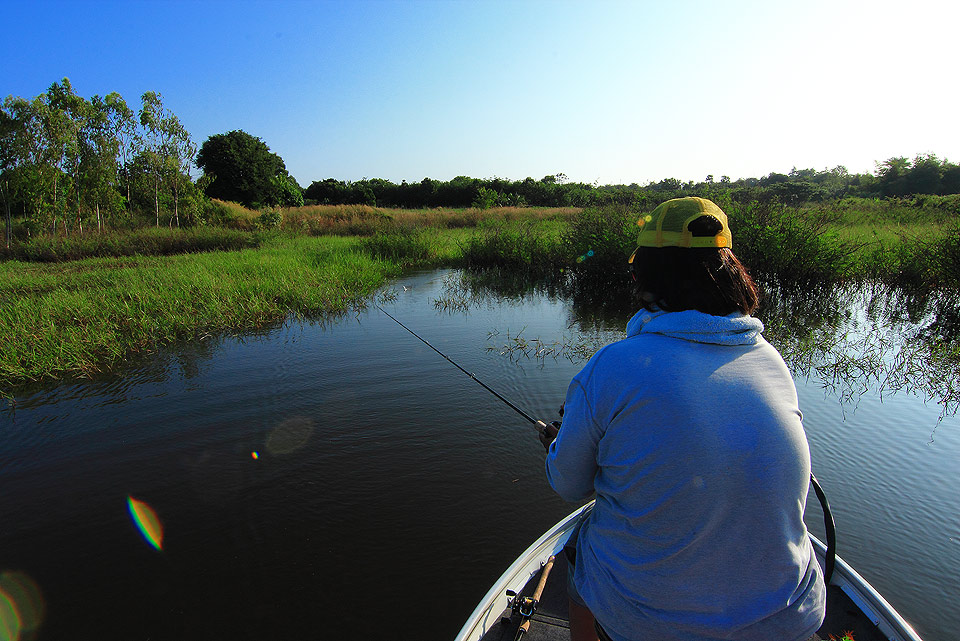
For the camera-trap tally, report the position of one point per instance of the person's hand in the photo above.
(548, 433)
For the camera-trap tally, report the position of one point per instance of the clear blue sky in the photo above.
(615, 92)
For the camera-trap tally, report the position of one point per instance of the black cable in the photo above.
(831, 530)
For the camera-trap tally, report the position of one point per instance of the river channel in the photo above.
(339, 479)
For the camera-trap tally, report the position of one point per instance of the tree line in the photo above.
(67, 162)
(894, 178)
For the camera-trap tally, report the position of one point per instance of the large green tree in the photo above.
(242, 168)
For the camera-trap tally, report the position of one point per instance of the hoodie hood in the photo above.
(697, 327)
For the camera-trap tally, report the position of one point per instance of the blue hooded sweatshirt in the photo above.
(689, 434)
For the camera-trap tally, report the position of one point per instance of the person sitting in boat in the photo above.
(689, 434)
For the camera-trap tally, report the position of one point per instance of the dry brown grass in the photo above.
(363, 220)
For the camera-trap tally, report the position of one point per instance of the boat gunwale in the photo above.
(495, 601)
(487, 613)
(866, 597)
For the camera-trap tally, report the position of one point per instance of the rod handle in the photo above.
(525, 626)
(543, 578)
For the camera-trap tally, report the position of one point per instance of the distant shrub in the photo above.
(485, 198)
(926, 264)
(785, 244)
(598, 242)
(228, 214)
(269, 219)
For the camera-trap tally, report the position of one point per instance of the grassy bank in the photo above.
(82, 316)
(80, 304)
(910, 244)
(145, 242)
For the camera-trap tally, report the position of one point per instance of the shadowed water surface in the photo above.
(340, 479)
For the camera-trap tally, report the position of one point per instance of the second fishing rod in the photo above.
(538, 424)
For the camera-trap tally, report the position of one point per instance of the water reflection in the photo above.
(587, 329)
(866, 336)
(851, 337)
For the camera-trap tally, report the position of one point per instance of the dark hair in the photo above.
(708, 280)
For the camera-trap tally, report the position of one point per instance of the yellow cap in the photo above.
(666, 226)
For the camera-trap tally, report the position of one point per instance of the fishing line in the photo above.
(539, 424)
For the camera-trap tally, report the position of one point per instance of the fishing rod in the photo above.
(540, 425)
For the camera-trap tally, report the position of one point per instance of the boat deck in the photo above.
(550, 622)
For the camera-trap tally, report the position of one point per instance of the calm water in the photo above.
(340, 479)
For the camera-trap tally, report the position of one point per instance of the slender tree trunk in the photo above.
(99, 226)
(9, 221)
(176, 205)
(156, 200)
(79, 219)
(126, 179)
(54, 204)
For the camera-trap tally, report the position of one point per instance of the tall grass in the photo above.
(925, 262)
(789, 246)
(229, 214)
(146, 242)
(363, 220)
(405, 246)
(525, 246)
(899, 212)
(78, 318)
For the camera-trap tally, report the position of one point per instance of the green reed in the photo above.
(82, 317)
(517, 245)
(145, 242)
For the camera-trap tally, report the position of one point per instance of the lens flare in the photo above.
(21, 606)
(146, 520)
(290, 435)
(9, 619)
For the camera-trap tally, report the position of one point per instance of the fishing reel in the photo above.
(520, 604)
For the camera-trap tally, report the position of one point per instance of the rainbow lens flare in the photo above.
(146, 520)
(21, 606)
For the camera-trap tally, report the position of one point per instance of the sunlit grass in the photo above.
(364, 220)
(82, 317)
(143, 242)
